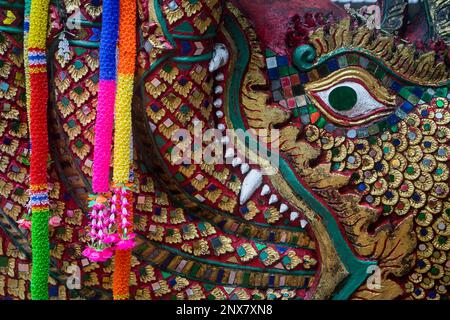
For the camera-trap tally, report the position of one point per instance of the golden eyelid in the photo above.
(378, 91)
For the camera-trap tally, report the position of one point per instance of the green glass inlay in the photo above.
(79, 51)
(263, 255)
(79, 144)
(286, 260)
(283, 71)
(311, 109)
(353, 59)
(321, 122)
(3, 262)
(260, 246)
(167, 68)
(441, 92)
(410, 170)
(246, 279)
(180, 177)
(394, 128)
(185, 109)
(78, 64)
(380, 74)
(208, 286)
(372, 140)
(160, 141)
(343, 98)
(194, 270)
(427, 97)
(78, 90)
(270, 53)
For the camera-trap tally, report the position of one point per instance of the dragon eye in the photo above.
(351, 97)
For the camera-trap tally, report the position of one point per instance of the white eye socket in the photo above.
(349, 99)
(350, 103)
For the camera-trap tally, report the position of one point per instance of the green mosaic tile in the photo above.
(321, 122)
(270, 53)
(380, 74)
(343, 63)
(283, 71)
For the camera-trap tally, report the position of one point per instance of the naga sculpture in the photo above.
(344, 194)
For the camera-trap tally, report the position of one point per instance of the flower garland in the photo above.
(112, 219)
(26, 30)
(122, 259)
(25, 221)
(38, 87)
(106, 94)
(123, 148)
(102, 220)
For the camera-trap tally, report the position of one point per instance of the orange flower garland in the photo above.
(122, 147)
(122, 265)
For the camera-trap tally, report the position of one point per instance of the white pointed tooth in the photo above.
(225, 140)
(218, 103)
(303, 223)
(265, 190)
(273, 199)
(219, 114)
(236, 162)
(220, 77)
(283, 208)
(244, 168)
(229, 153)
(294, 215)
(251, 183)
(218, 90)
(221, 127)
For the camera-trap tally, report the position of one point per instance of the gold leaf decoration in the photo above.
(423, 69)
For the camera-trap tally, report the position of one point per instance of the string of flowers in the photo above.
(38, 87)
(25, 221)
(123, 195)
(122, 258)
(102, 219)
(26, 30)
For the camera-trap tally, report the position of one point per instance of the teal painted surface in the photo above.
(357, 268)
(236, 266)
(194, 38)
(303, 57)
(12, 5)
(11, 30)
(194, 59)
(84, 44)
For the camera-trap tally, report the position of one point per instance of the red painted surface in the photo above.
(270, 17)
